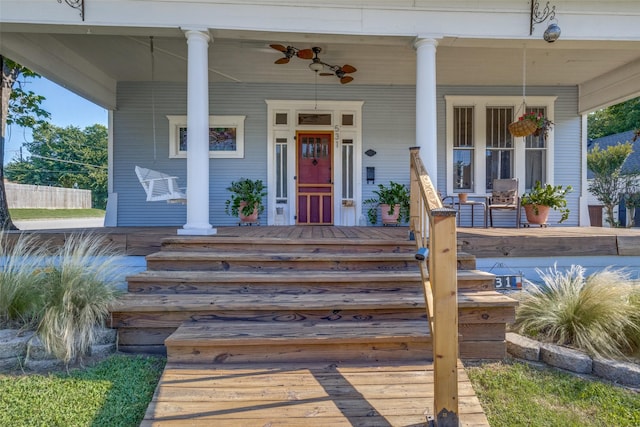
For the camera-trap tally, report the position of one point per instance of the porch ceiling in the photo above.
(245, 57)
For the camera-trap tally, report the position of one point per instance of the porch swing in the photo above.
(158, 186)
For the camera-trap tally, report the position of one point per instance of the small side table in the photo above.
(473, 204)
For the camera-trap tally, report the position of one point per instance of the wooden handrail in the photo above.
(434, 227)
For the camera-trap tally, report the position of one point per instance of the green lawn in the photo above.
(115, 392)
(515, 394)
(21, 214)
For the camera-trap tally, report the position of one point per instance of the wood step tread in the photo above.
(213, 240)
(294, 276)
(360, 368)
(262, 302)
(470, 298)
(278, 256)
(283, 276)
(289, 333)
(211, 302)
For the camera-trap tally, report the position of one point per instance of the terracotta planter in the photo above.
(390, 218)
(462, 197)
(540, 218)
(248, 218)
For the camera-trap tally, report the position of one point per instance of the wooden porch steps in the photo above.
(328, 342)
(274, 245)
(145, 320)
(277, 261)
(303, 394)
(253, 261)
(275, 283)
(290, 332)
(315, 282)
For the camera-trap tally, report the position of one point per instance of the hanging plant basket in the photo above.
(522, 127)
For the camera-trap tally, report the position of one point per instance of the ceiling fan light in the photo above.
(316, 66)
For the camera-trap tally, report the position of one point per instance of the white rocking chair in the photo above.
(160, 186)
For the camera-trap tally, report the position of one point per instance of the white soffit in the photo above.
(611, 88)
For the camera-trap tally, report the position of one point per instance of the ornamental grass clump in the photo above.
(21, 279)
(597, 314)
(80, 287)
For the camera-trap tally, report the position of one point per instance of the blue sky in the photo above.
(66, 108)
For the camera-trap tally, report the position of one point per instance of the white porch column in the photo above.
(198, 135)
(426, 118)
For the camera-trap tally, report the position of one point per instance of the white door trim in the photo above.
(343, 215)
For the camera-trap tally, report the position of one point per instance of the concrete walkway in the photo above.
(49, 224)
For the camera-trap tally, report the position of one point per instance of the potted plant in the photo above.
(531, 123)
(541, 199)
(245, 201)
(393, 201)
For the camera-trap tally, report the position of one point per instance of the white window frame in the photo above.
(237, 122)
(480, 104)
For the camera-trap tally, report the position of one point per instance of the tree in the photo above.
(609, 183)
(20, 107)
(66, 157)
(614, 119)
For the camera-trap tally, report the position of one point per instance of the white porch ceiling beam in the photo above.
(61, 65)
(463, 18)
(614, 87)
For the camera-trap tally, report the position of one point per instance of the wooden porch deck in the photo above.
(480, 242)
(303, 395)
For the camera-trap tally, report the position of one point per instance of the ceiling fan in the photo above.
(316, 65)
(290, 52)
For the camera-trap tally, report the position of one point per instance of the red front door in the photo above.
(314, 182)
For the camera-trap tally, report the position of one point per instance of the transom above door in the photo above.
(314, 178)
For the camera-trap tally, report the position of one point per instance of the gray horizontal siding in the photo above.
(388, 128)
(388, 125)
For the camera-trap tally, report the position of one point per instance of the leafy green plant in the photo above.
(245, 190)
(609, 183)
(595, 314)
(543, 125)
(21, 279)
(80, 287)
(548, 195)
(393, 194)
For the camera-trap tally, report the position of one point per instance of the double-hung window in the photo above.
(481, 149)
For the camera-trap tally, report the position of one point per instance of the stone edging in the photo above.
(573, 360)
(27, 351)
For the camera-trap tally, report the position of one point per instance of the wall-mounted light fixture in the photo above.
(76, 4)
(371, 175)
(552, 33)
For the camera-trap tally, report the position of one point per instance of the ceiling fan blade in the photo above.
(278, 47)
(305, 54)
(326, 74)
(282, 61)
(349, 68)
(346, 79)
